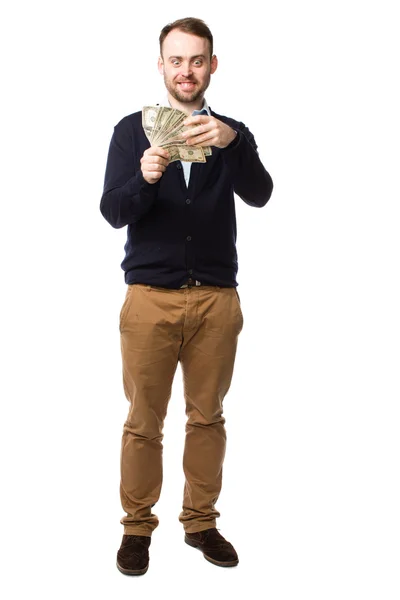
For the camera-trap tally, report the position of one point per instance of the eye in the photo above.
(198, 62)
(175, 62)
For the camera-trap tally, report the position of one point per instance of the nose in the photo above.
(186, 69)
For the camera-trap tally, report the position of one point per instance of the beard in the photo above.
(180, 96)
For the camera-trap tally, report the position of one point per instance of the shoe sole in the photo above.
(132, 571)
(230, 563)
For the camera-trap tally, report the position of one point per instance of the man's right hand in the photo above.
(153, 163)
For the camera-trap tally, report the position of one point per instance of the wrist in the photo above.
(233, 139)
(233, 136)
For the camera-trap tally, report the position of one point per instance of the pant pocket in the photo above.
(125, 307)
(239, 303)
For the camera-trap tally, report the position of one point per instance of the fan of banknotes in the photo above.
(163, 127)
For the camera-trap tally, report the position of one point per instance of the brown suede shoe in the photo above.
(214, 547)
(133, 555)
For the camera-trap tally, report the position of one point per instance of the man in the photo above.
(181, 303)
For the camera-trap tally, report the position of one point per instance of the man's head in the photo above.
(186, 59)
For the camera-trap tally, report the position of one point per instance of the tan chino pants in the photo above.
(198, 326)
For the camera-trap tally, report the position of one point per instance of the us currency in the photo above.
(149, 116)
(187, 153)
(163, 127)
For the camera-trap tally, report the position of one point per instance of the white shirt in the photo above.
(186, 166)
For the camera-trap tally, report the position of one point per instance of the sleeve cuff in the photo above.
(145, 186)
(235, 142)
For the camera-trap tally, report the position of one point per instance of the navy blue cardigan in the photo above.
(175, 232)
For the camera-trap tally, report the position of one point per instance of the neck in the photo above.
(186, 107)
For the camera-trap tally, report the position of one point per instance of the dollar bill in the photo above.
(160, 125)
(173, 153)
(163, 127)
(149, 117)
(192, 153)
(187, 153)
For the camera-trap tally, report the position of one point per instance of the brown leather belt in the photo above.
(191, 282)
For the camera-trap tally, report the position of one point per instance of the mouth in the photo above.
(186, 86)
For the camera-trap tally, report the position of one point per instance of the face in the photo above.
(186, 65)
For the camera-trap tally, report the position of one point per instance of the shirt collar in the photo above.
(205, 106)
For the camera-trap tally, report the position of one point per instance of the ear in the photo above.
(160, 65)
(214, 63)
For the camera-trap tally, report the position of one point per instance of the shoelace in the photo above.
(135, 540)
(210, 535)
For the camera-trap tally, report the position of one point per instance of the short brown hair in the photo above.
(188, 25)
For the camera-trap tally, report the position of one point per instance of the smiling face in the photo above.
(187, 67)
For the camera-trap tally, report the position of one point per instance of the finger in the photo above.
(154, 160)
(159, 160)
(204, 139)
(196, 119)
(155, 167)
(151, 177)
(157, 151)
(196, 130)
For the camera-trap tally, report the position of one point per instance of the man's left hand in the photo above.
(208, 131)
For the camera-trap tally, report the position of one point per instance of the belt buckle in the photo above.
(191, 282)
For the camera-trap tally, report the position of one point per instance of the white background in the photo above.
(311, 494)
